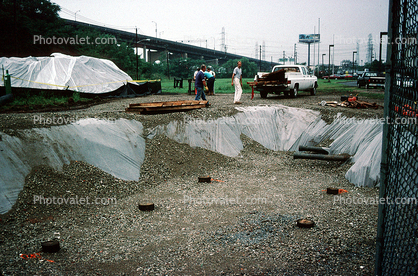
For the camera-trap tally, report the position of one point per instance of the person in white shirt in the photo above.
(237, 81)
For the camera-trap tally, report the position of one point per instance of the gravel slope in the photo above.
(242, 223)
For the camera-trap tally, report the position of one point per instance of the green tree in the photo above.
(184, 67)
(375, 66)
(249, 69)
(23, 21)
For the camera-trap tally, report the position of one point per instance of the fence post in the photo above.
(384, 162)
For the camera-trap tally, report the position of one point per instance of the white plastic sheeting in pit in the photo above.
(83, 74)
(115, 146)
(275, 127)
(285, 128)
(361, 138)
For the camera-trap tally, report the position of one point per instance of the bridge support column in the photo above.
(144, 56)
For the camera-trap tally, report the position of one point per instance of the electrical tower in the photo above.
(223, 46)
(264, 51)
(369, 56)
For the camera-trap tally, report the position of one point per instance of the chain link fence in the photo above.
(397, 237)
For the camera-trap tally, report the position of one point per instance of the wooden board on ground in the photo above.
(165, 107)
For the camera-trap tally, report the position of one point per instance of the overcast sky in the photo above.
(277, 23)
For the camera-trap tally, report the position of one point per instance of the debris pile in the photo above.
(360, 104)
(351, 101)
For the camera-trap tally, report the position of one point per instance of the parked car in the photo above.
(335, 77)
(371, 79)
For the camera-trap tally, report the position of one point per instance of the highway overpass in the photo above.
(152, 46)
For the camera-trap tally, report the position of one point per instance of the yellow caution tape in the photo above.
(38, 82)
(144, 80)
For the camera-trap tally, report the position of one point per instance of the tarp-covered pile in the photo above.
(62, 72)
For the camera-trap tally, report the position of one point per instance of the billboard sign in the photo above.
(308, 38)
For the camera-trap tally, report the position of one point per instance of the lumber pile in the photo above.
(165, 107)
(274, 76)
(262, 82)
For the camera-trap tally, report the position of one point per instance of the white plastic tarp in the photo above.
(116, 147)
(285, 128)
(275, 127)
(60, 72)
(361, 138)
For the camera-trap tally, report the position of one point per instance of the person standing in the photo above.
(210, 82)
(200, 83)
(212, 91)
(237, 82)
(194, 78)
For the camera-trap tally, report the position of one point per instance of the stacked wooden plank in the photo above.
(261, 82)
(165, 107)
(276, 77)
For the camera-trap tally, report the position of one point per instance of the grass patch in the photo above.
(369, 95)
(335, 87)
(221, 86)
(338, 87)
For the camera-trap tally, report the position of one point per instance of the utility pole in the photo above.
(155, 28)
(314, 31)
(319, 42)
(380, 50)
(136, 52)
(329, 61)
(296, 56)
(168, 66)
(260, 58)
(354, 62)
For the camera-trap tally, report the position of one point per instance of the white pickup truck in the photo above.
(289, 79)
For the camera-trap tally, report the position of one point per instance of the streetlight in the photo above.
(323, 68)
(136, 46)
(155, 28)
(75, 15)
(329, 62)
(354, 52)
(380, 50)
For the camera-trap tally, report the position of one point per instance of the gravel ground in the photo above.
(242, 223)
